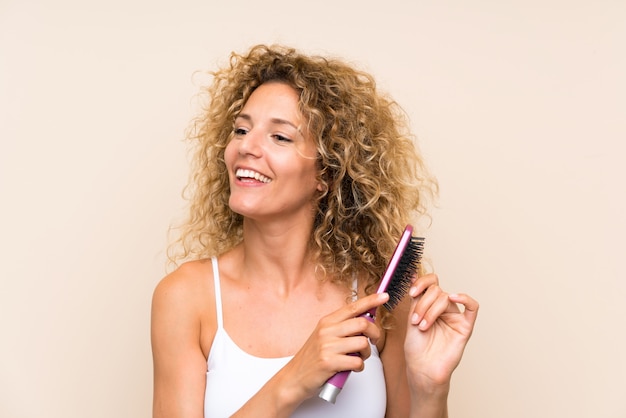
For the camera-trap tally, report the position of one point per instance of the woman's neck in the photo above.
(280, 254)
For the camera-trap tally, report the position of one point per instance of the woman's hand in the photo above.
(437, 333)
(328, 349)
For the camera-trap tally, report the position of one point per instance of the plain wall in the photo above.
(519, 107)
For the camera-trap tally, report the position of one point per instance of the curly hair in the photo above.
(373, 178)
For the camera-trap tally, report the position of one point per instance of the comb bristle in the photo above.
(407, 267)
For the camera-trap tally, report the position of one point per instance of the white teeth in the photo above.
(241, 173)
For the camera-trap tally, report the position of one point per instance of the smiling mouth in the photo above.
(253, 175)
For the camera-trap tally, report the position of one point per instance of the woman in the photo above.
(304, 178)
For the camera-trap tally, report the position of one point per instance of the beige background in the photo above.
(518, 105)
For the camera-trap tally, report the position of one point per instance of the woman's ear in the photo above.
(322, 186)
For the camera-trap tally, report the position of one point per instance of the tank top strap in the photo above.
(218, 293)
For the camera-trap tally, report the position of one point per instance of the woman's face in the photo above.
(271, 160)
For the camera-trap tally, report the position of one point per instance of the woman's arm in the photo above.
(424, 347)
(405, 400)
(179, 363)
(436, 336)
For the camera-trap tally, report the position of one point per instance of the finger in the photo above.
(440, 305)
(350, 353)
(354, 361)
(360, 345)
(423, 303)
(471, 305)
(422, 283)
(355, 345)
(361, 306)
(358, 326)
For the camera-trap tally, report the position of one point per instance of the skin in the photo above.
(270, 279)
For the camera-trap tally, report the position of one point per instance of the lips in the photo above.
(243, 174)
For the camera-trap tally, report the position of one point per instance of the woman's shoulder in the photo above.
(191, 282)
(183, 310)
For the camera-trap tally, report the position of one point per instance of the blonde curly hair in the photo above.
(374, 179)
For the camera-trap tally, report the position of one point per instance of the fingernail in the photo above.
(413, 291)
(415, 319)
(422, 324)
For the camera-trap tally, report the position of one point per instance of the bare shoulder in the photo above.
(186, 282)
(180, 316)
(183, 302)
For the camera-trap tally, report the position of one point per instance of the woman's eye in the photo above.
(240, 131)
(281, 138)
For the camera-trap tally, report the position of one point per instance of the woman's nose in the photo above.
(251, 143)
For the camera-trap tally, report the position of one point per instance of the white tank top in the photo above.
(234, 376)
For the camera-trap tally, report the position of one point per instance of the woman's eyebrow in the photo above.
(277, 121)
